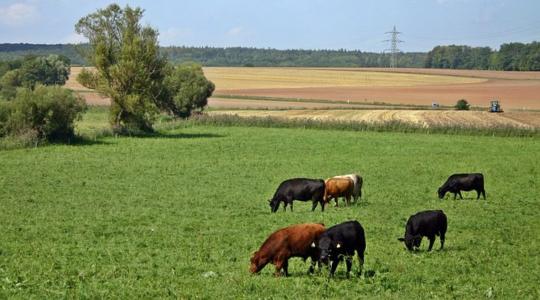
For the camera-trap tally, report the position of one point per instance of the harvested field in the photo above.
(91, 97)
(420, 117)
(516, 90)
(266, 78)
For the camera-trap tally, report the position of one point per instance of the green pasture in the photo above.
(179, 213)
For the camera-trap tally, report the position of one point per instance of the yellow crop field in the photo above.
(264, 78)
(424, 118)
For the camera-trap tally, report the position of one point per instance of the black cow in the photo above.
(463, 182)
(340, 241)
(427, 223)
(302, 189)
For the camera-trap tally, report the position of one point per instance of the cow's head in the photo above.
(411, 241)
(255, 266)
(274, 204)
(441, 192)
(328, 248)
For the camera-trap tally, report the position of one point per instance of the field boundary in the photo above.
(388, 126)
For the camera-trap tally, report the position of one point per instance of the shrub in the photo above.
(87, 79)
(462, 104)
(187, 89)
(50, 112)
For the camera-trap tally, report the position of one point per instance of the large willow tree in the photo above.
(130, 69)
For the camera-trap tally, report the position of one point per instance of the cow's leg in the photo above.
(348, 198)
(279, 265)
(460, 196)
(484, 193)
(442, 239)
(285, 205)
(360, 261)
(314, 261)
(291, 204)
(314, 205)
(286, 268)
(477, 194)
(431, 241)
(348, 261)
(455, 195)
(333, 268)
(335, 198)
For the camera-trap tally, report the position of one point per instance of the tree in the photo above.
(130, 69)
(187, 89)
(462, 104)
(46, 70)
(33, 70)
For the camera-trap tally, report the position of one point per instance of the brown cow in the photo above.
(292, 241)
(338, 187)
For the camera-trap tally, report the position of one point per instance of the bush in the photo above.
(188, 89)
(46, 112)
(87, 79)
(462, 104)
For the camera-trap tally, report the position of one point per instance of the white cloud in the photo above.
(18, 14)
(74, 38)
(235, 31)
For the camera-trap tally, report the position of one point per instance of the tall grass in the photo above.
(389, 126)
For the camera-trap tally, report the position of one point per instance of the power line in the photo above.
(394, 40)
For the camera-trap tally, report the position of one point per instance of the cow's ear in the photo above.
(338, 245)
(401, 239)
(313, 245)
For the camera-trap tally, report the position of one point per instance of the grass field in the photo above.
(152, 217)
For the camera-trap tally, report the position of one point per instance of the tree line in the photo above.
(234, 56)
(510, 57)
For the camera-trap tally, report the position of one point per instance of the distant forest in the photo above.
(511, 56)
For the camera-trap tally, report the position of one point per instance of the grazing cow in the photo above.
(427, 223)
(302, 189)
(292, 241)
(338, 187)
(357, 180)
(341, 241)
(463, 182)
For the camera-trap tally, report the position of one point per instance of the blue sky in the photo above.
(294, 24)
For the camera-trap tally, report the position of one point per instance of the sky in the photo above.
(293, 24)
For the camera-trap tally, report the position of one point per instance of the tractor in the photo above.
(495, 107)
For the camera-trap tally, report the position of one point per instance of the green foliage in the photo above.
(88, 79)
(130, 69)
(126, 218)
(510, 57)
(49, 70)
(462, 104)
(48, 113)
(236, 56)
(11, 51)
(188, 89)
